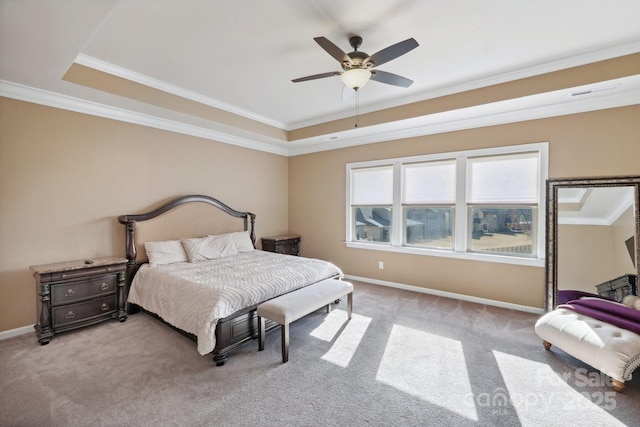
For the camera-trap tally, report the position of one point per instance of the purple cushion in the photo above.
(607, 311)
(565, 296)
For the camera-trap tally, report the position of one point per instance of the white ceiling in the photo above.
(594, 206)
(241, 55)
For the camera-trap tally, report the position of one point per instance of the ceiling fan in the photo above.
(358, 67)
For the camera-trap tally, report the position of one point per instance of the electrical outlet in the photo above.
(381, 265)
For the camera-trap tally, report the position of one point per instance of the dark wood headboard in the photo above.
(130, 222)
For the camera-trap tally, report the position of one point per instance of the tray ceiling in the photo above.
(224, 69)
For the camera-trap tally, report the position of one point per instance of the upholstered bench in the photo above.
(612, 350)
(294, 305)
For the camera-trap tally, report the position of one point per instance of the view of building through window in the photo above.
(372, 224)
(429, 227)
(494, 230)
(485, 201)
(502, 230)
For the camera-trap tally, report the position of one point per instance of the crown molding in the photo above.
(602, 95)
(65, 102)
(609, 94)
(612, 216)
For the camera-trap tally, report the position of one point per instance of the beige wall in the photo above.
(65, 177)
(623, 229)
(590, 144)
(592, 254)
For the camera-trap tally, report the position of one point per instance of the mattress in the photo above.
(194, 296)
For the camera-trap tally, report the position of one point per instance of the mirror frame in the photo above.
(553, 185)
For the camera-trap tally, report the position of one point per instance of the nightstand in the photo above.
(288, 245)
(78, 293)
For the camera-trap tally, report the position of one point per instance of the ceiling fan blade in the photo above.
(392, 52)
(390, 78)
(317, 76)
(332, 49)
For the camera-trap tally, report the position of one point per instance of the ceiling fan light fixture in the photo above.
(355, 78)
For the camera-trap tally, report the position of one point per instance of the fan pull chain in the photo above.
(357, 107)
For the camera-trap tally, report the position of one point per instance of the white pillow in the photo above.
(210, 247)
(167, 252)
(242, 241)
(630, 300)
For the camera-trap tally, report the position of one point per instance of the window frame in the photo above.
(461, 212)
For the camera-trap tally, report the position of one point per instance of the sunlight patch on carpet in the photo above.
(427, 366)
(331, 325)
(535, 390)
(347, 342)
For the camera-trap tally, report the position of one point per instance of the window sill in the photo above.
(502, 259)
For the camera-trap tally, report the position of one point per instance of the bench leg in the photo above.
(349, 304)
(285, 342)
(261, 327)
(328, 308)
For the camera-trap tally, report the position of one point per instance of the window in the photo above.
(371, 203)
(480, 204)
(428, 203)
(502, 197)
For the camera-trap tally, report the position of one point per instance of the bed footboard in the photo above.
(233, 331)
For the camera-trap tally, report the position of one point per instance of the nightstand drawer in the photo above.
(81, 311)
(82, 289)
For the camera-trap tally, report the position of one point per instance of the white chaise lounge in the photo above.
(612, 350)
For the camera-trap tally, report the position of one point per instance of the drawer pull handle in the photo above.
(104, 287)
(69, 293)
(70, 315)
(104, 306)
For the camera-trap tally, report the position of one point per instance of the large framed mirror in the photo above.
(593, 233)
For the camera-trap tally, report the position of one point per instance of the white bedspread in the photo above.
(194, 296)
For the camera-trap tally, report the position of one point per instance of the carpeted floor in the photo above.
(405, 359)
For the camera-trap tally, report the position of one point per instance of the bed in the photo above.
(192, 262)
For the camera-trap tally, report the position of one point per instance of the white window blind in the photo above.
(485, 204)
(372, 186)
(429, 183)
(503, 179)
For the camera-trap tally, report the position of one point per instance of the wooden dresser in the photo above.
(78, 293)
(288, 245)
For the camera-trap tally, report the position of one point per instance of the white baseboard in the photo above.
(15, 332)
(29, 329)
(453, 295)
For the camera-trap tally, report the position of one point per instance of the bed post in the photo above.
(130, 241)
(132, 267)
(252, 235)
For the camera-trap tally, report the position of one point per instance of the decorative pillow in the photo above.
(242, 241)
(630, 300)
(210, 247)
(167, 252)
